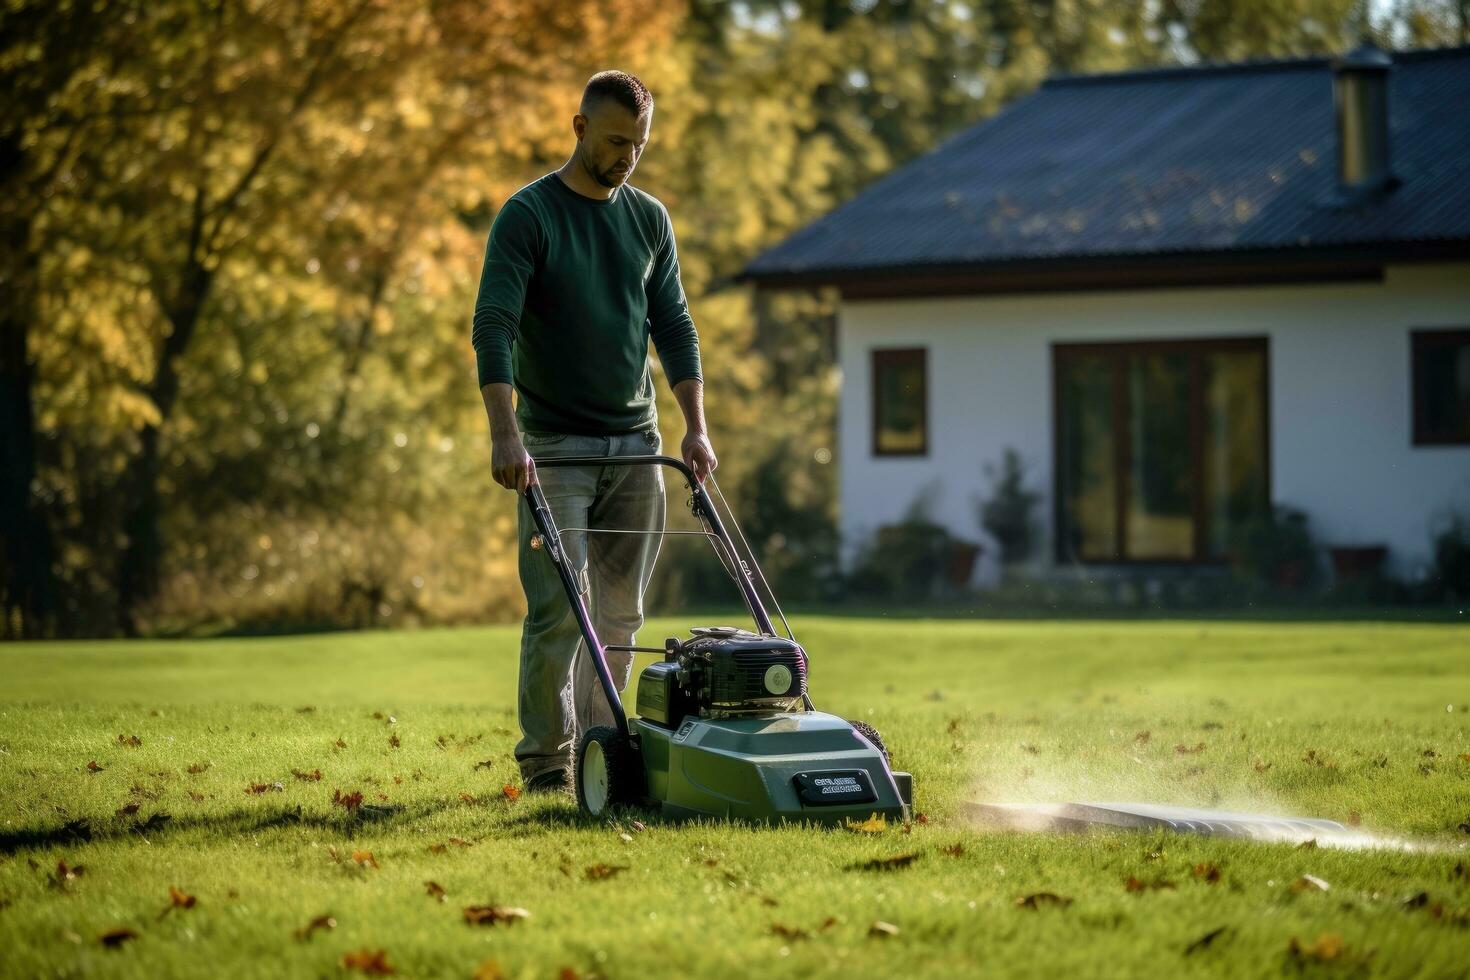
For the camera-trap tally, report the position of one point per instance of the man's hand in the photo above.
(699, 455)
(512, 466)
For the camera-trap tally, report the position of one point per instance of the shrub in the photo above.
(1451, 573)
(1006, 516)
(1275, 550)
(913, 560)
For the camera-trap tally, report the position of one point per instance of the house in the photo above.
(1180, 294)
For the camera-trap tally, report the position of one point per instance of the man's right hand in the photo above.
(512, 466)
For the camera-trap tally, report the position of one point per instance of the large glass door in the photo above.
(1162, 448)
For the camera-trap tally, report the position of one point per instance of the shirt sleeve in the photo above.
(669, 322)
(510, 262)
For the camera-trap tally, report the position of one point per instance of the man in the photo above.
(580, 271)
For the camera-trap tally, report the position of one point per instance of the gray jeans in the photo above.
(560, 695)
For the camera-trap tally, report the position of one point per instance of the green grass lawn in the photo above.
(1363, 722)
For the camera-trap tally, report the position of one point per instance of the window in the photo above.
(1441, 373)
(900, 400)
(1161, 448)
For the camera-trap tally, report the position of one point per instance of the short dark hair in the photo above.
(624, 89)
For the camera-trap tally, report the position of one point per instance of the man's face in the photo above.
(610, 140)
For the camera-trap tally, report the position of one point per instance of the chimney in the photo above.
(1360, 91)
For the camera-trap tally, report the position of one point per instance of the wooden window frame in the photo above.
(1419, 339)
(1118, 352)
(881, 357)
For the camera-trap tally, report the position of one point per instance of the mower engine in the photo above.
(723, 672)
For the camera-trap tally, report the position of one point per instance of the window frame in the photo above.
(884, 356)
(1421, 338)
(1118, 352)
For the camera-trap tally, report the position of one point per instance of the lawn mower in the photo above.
(725, 724)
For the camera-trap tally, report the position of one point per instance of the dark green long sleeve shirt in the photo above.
(571, 291)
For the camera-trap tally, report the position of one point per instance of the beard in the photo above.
(607, 178)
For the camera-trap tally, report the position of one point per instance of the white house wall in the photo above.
(1341, 439)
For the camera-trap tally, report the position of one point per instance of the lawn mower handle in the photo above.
(551, 538)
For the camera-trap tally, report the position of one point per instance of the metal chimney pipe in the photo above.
(1360, 91)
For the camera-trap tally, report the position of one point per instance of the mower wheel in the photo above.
(870, 733)
(604, 773)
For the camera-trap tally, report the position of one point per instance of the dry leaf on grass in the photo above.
(882, 930)
(1203, 942)
(65, 872)
(373, 961)
(196, 797)
(1261, 765)
(510, 792)
(1328, 946)
(568, 973)
(394, 741)
(131, 741)
(1207, 872)
(94, 767)
(1195, 749)
(485, 764)
(325, 923)
(198, 767)
(600, 871)
(460, 842)
(827, 923)
(892, 863)
(788, 932)
(257, 788)
(347, 801)
(1142, 738)
(114, 938)
(306, 709)
(315, 776)
(1309, 883)
(1039, 900)
(1136, 884)
(953, 850)
(365, 858)
(467, 798)
(434, 890)
(875, 824)
(489, 915)
(127, 811)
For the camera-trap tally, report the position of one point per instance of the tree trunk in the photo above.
(28, 593)
(139, 570)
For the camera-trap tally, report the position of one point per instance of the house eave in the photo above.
(1357, 263)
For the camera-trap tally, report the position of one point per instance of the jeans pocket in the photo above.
(529, 439)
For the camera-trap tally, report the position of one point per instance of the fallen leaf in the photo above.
(600, 871)
(365, 858)
(638, 826)
(1029, 749)
(348, 801)
(65, 873)
(827, 923)
(493, 914)
(954, 726)
(882, 929)
(1429, 754)
(1142, 738)
(315, 776)
(196, 797)
(788, 932)
(769, 902)
(341, 743)
(326, 923)
(1465, 756)
(1190, 750)
(953, 850)
(1261, 765)
(434, 890)
(892, 863)
(1309, 883)
(875, 824)
(921, 818)
(1207, 872)
(489, 970)
(1135, 884)
(1311, 758)
(1042, 899)
(467, 798)
(179, 899)
(510, 792)
(1203, 942)
(94, 767)
(460, 842)
(1354, 818)
(436, 848)
(1328, 946)
(127, 810)
(131, 741)
(394, 741)
(197, 768)
(374, 961)
(114, 938)
(568, 973)
(1310, 844)
(306, 709)
(257, 788)
(485, 764)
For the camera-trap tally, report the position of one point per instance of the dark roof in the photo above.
(1139, 165)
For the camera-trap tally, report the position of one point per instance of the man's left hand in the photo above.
(699, 455)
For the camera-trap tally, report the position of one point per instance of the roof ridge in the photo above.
(1237, 67)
